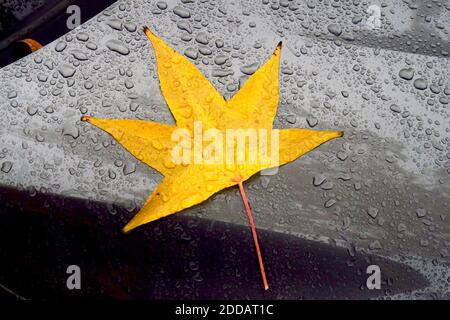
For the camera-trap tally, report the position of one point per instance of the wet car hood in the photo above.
(378, 194)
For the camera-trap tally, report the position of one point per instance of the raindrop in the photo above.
(88, 85)
(66, 70)
(335, 29)
(71, 130)
(115, 24)
(220, 73)
(42, 77)
(357, 19)
(117, 46)
(130, 26)
(249, 69)
(111, 174)
(219, 43)
(328, 185)
(420, 84)
(372, 212)
(206, 51)
(183, 25)
(181, 12)
(79, 55)
(6, 166)
(292, 119)
(91, 45)
(406, 73)
(318, 179)
(83, 36)
(60, 46)
(342, 155)
(395, 108)
(134, 106)
(312, 122)
(202, 38)
(39, 137)
(375, 245)
(129, 84)
(161, 5)
(31, 110)
(191, 53)
(220, 59)
(420, 212)
(287, 70)
(129, 168)
(329, 203)
(12, 94)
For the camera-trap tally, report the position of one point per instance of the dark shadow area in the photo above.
(44, 24)
(179, 257)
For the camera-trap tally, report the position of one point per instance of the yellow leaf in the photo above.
(199, 110)
(255, 105)
(148, 141)
(188, 93)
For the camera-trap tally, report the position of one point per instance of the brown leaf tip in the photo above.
(278, 48)
(341, 134)
(146, 29)
(85, 118)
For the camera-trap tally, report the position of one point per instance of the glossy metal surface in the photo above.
(381, 192)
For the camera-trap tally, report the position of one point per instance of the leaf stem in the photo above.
(255, 236)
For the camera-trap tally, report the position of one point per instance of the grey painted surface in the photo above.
(387, 181)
